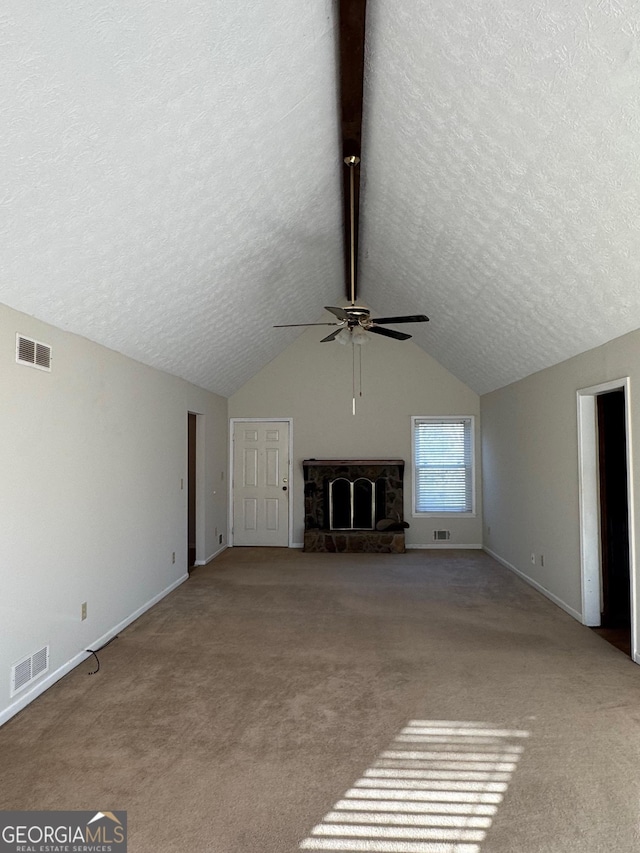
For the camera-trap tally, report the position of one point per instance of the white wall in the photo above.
(530, 465)
(92, 455)
(311, 383)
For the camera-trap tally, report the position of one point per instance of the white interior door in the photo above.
(260, 483)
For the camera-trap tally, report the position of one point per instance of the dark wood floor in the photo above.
(618, 637)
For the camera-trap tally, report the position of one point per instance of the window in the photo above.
(443, 479)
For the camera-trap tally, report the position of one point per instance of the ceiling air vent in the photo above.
(33, 353)
(27, 670)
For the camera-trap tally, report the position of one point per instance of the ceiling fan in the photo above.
(354, 320)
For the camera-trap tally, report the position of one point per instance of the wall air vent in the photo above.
(29, 669)
(33, 353)
(440, 535)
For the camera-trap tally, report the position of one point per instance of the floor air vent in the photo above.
(33, 353)
(27, 670)
(440, 535)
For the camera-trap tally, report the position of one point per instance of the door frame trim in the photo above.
(589, 500)
(201, 474)
(232, 425)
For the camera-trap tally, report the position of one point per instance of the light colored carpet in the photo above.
(273, 687)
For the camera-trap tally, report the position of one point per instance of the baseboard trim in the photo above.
(50, 680)
(212, 557)
(441, 545)
(537, 586)
(419, 547)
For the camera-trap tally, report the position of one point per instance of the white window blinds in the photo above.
(443, 464)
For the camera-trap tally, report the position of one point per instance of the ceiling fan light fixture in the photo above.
(359, 336)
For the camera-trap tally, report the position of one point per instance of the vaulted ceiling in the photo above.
(171, 177)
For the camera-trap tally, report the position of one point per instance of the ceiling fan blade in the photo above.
(291, 325)
(332, 336)
(340, 313)
(389, 333)
(409, 318)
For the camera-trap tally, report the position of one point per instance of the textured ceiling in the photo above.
(171, 177)
(502, 182)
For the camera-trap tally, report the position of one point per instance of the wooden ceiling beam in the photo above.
(352, 35)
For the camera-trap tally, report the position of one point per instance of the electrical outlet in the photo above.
(83, 614)
(533, 559)
(173, 556)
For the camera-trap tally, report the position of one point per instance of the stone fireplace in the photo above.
(354, 505)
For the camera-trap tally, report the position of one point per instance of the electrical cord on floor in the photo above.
(95, 654)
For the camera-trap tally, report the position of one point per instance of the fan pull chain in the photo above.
(353, 375)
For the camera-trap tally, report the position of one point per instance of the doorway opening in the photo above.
(615, 614)
(192, 489)
(608, 582)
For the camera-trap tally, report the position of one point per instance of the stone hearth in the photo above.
(355, 541)
(379, 482)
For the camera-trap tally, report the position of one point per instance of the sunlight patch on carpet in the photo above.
(435, 790)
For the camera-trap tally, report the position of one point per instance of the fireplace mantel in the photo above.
(316, 463)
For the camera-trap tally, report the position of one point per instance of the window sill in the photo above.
(444, 515)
